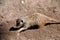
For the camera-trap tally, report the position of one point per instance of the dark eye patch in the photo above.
(17, 22)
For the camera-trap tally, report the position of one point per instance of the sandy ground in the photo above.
(10, 10)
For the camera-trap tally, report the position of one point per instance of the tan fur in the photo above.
(34, 19)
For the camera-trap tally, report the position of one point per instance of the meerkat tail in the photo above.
(52, 19)
(49, 18)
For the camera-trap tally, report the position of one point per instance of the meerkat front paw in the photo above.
(22, 29)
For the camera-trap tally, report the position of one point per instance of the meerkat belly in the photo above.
(41, 20)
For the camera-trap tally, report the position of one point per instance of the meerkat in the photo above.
(33, 19)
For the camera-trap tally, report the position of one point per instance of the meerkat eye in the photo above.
(21, 20)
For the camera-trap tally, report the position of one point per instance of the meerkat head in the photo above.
(19, 23)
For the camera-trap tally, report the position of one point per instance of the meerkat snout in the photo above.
(19, 23)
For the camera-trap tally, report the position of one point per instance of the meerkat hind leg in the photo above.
(41, 26)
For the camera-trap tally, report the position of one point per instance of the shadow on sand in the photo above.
(32, 27)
